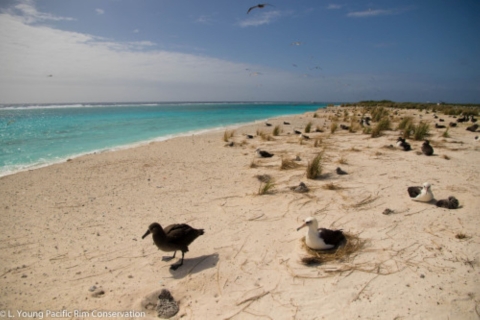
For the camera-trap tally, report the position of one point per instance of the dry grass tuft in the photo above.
(266, 187)
(342, 160)
(352, 244)
(461, 236)
(364, 202)
(445, 134)
(354, 125)
(276, 130)
(405, 123)
(308, 127)
(317, 142)
(263, 177)
(333, 127)
(446, 157)
(228, 134)
(331, 186)
(253, 164)
(314, 167)
(367, 130)
(382, 125)
(378, 113)
(288, 164)
(264, 136)
(421, 131)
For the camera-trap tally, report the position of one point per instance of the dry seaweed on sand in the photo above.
(288, 164)
(351, 245)
(369, 199)
(263, 177)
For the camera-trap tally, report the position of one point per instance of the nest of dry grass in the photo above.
(342, 253)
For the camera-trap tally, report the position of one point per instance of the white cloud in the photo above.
(99, 11)
(334, 6)
(136, 31)
(370, 13)
(204, 19)
(30, 14)
(260, 19)
(89, 68)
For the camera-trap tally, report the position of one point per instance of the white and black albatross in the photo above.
(321, 238)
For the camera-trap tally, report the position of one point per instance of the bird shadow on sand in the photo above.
(195, 265)
(323, 176)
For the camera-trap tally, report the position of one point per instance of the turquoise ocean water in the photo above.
(37, 135)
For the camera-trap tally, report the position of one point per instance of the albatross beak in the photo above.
(303, 225)
(146, 234)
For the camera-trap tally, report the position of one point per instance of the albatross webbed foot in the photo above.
(167, 258)
(175, 266)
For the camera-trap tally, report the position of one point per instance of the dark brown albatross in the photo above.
(172, 238)
(260, 6)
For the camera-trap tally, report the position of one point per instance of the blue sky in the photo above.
(57, 51)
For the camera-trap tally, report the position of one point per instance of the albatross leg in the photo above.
(169, 258)
(178, 264)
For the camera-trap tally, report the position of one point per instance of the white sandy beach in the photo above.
(78, 224)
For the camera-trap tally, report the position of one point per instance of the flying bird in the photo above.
(260, 6)
(321, 239)
(172, 238)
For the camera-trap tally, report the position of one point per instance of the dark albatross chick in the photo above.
(321, 239)
(403, 144)
(450, 203)
(427, 149)
(173, 238)
(263, 154)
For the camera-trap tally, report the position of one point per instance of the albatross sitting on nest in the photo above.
(423, 194)
(321, 239)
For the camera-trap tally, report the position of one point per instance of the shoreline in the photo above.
(75, 225)
(133, 145)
